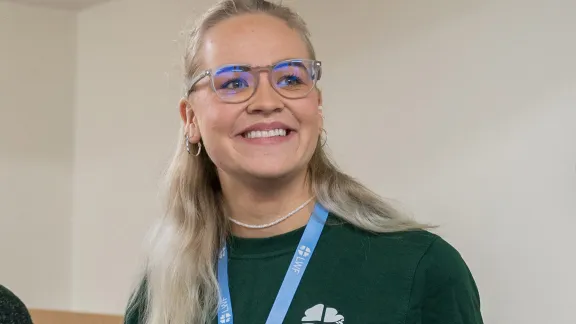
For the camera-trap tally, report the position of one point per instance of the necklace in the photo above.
(274, 222)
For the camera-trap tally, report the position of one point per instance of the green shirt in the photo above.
(354, 277)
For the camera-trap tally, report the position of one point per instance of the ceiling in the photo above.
(74, 5)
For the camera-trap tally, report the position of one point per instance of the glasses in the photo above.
(235, 83)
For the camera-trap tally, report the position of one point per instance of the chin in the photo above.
(270, 171)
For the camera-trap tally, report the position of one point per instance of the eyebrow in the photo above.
(233, 68)
(289, 62)
(241, 65)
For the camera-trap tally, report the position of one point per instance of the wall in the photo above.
(126, 126)
(465, 113)
(37, 64)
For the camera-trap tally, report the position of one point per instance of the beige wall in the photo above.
(37, 63)
(463, 112)
(126, 124)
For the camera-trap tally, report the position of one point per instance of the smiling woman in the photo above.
(260, 226)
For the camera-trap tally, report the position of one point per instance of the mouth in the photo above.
(271, 133)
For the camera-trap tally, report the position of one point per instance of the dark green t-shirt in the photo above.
(354, 277)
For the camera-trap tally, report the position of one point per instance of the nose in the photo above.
(265, 99)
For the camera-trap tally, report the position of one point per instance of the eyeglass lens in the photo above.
(291, 79)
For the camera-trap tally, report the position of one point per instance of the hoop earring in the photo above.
(188, 147)
(323, 143)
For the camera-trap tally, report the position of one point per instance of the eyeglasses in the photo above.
(235, 83)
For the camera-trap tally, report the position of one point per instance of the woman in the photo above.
(261, 227)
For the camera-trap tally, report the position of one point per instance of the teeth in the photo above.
(268, 133)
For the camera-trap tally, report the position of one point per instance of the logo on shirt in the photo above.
(320, 314)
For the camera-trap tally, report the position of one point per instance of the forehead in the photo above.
(256, 39)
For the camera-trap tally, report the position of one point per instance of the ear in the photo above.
(189, 119)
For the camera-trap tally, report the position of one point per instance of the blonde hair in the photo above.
(180, 285)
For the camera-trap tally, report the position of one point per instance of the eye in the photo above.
(289, 80)
(234, 84)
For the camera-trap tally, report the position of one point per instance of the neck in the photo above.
(265, 201)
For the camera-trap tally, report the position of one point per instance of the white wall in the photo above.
(126, 126)
(37, 64)
(466, 113)
(463, 112)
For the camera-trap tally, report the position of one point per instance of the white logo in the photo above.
(225, 318)
(304, 251)
(320, 314)
(222, 253)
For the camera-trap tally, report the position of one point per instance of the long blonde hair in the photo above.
(180, 282)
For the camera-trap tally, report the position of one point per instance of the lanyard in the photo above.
(292, 278)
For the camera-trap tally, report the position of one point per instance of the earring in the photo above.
(188, 147)
(323, 143)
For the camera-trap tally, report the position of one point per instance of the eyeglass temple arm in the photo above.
(318, 66)
(197, 79)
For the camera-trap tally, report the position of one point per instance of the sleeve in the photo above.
(449, 294)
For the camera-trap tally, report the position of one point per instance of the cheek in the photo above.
(308, 115)
(216, 119)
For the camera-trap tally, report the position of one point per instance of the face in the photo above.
(268, 135)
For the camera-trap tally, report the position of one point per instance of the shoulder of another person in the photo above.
(12, 308)
(7, 297)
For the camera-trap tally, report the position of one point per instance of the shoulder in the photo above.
(429, 253)
(409, 245)
(12, 309)
(443, 288)
(432, 259)
(418, 267)
(424, 252)
(422, 248)
(403, 253)
(442, 267)
(443, 261)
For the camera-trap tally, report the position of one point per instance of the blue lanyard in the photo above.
(292, 278)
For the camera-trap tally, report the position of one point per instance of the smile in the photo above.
(279, 132)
